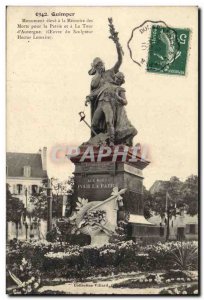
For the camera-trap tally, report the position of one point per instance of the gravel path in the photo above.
(99, 286)
(103, 285)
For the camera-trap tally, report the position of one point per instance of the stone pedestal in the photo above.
(95, 180)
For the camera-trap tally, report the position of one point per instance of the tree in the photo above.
(57, 203)
(59, 189)
(70, 206)
(147, 201)
(40, 208)
(39, 205)
(40, 200)
(167, 195)
(14, 209)
(190, 194)
(174, 194)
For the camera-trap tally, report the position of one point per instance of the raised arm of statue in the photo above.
(114, 37)
(120, 58)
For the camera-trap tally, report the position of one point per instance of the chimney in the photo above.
(44, 158)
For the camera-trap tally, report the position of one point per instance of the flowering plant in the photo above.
(26, 278)
(189, 289)
(70, 252)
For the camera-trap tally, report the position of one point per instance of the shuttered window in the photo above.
(19, 189)
(34, 189)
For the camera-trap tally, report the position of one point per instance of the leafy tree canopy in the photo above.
(14, 207)
(172, 193)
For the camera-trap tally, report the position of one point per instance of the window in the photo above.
(192, 229)
(34, 189)
(27, 171)
(19, 189)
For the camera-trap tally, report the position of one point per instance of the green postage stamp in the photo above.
(168, 50)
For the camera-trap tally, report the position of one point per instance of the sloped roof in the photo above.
(17, 161)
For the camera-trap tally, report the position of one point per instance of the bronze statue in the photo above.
(124, 130)
(111, 102)
(107, 99)
(102, 76)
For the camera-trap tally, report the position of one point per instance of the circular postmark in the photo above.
(139, 42)
(158, 48)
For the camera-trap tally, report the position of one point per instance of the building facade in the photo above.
(182, 226)
(25, 173)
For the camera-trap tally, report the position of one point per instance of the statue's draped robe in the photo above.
(97, 85)
(124, 130)
(99, 80)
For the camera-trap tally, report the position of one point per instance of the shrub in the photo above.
(185, 255)
(176, 255)
(58, 260)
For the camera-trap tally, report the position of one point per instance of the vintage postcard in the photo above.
(102, 181)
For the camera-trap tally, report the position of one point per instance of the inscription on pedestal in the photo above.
(96, 180)
(96, 183)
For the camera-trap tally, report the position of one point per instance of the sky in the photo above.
(47, 82)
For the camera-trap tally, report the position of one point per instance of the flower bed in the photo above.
(189, 289)
(56, 260)
(153, 280)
